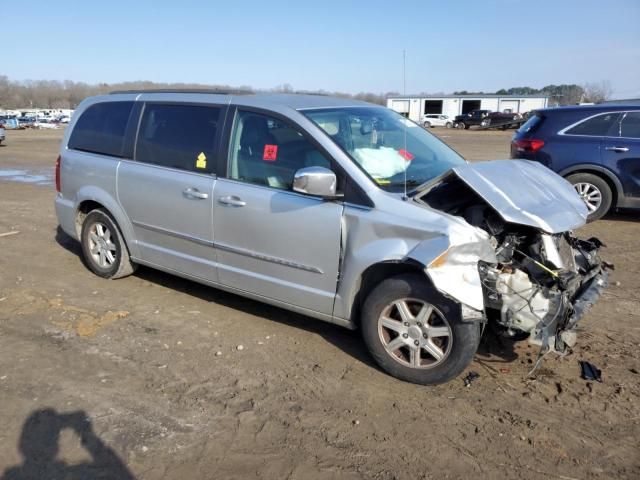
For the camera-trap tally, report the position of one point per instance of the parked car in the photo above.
(474, 117)
(484, 118)
(506, 119)
(26, 122)
(596, 148)
(337, 209)
(2, 134)
(435, 120)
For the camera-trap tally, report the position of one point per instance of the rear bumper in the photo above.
(66, 213)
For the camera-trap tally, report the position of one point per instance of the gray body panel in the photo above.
(287, 249)
(170, 227)
(280, 244)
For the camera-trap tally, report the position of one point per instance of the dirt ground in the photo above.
(123, 378)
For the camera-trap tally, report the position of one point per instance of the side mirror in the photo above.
(317, 181)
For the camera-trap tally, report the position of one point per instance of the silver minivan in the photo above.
(337, 209)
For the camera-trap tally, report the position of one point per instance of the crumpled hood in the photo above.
(524, 192)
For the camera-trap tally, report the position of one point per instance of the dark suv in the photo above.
(474, 117)
(596, 148)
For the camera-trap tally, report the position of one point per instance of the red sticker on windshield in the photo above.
(408, 156)
(270, 153)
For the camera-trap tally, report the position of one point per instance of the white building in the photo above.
(414, 107)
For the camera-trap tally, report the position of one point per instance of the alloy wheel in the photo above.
(415, 333)
(101, 246)
(590, 194)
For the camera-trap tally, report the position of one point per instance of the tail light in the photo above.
(530, 146)
(58, 173)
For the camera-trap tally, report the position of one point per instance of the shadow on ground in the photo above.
(39, 447)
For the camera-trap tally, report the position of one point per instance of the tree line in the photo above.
(564, 94)
(68, 94)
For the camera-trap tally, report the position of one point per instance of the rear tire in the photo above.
(103, 248)
(461, 126)
(449, 125)
(426, 125)
(416, 334)
(595, 192)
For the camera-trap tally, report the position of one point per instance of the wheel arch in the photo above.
(602, 172)
(374, 274)
(91, 198)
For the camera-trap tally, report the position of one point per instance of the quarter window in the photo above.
(101, 128)
(598, 126)
(179, 136)
(630, 127)
(267, 151)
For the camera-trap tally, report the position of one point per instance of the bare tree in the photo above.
(597, 92)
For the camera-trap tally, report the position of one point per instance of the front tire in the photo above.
(461, 126)
(103, 247)
(595, 192)
(416, 334)
(449, 125)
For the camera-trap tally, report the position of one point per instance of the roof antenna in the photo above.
(404, 93)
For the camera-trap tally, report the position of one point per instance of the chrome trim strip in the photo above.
(267, 258)
(172, 233)
(564, 130)
(236, 250)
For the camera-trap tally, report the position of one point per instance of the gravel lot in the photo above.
(144, 378)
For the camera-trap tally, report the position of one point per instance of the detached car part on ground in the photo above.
(336, 209)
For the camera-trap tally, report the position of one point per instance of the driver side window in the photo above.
(266, 151)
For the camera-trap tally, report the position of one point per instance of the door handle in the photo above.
(232, 201)
(617, 149)
(195, 193)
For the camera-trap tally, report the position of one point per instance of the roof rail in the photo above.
(184, 90)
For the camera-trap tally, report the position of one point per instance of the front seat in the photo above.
(251, 164)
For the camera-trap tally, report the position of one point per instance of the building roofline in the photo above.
(480, 95)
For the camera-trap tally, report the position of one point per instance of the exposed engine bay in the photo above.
(542, 283)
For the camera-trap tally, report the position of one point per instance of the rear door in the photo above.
(621, 153)
(583, 142)
(167, 190)
(270, 240)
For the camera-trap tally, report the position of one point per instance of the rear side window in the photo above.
(598, 126)
(531, 125)
(179, 136)
(630, 127)
(101, 128)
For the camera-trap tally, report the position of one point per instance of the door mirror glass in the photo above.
(318, 181)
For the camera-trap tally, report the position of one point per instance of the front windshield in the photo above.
(386, 145)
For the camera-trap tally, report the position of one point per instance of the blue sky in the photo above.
(343, 45)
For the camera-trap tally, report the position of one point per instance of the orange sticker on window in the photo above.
(408, 156)
(270, 153)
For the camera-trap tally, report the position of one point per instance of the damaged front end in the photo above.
(542, 279)
(542, 285)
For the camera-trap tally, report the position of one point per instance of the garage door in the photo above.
(400, 106)
(510, 106)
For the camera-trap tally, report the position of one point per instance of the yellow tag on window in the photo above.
(201, 161)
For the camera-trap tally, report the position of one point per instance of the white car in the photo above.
(436, 120)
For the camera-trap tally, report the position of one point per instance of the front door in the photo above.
(271, 241)
(167, 191)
